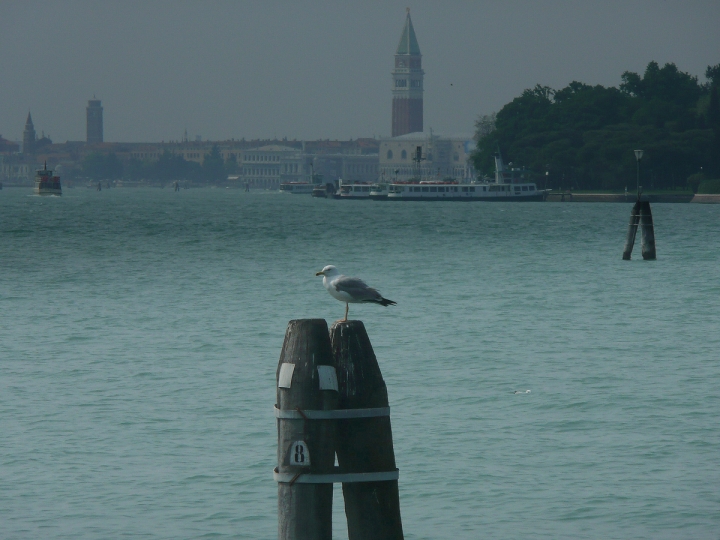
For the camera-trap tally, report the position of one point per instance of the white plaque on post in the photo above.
(286, 373)
(328, 378)
(299, 454)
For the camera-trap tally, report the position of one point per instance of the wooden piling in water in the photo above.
(647, 234)
(364, 445)
(305, 446)
(632, 230)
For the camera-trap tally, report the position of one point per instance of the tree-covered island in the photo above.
(583, 136)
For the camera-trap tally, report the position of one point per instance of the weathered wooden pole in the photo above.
(364, 445)
(306, 381)
(647, 235)
(632, 230)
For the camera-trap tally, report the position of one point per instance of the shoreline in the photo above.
(567, 196)
(622, 198)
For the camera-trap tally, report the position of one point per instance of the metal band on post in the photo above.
(335, 478)
(337, 414)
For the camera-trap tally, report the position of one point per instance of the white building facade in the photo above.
(442, 157)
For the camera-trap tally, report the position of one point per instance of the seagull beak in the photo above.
(319, 273)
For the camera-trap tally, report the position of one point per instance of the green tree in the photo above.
(231, 165)
(712, 73)
(713, 112)
(136, 169)
(170, 167)
(97, 166)
(213, 167)
(585, 134)
(667, 84)
(485, 125)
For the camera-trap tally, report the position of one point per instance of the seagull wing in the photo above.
(359, 291)
(357, 288)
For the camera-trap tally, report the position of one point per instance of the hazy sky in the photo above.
(310, 70)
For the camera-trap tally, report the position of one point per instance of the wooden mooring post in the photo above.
(640, 216)
(306, 381)
(364, 445)
(332, 400)
(632, 231)
(647, 238)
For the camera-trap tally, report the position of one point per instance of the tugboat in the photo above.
(46, 183)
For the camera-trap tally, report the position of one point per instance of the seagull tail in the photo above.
(385, 302)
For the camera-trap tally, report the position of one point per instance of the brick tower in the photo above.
(94, 121)
(407, 105)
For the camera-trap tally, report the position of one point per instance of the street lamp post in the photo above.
(638, 157)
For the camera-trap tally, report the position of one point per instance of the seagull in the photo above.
(521, 392)
(350, 289)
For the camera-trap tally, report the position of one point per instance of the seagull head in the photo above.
(328, 271)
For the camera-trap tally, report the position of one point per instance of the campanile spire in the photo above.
(29, 136)
(407, 105)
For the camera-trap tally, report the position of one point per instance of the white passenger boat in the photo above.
(359, 190)
(449, 191)
(297, 188)
(379, 192)
(509, 185)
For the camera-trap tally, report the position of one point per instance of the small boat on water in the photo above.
(46, 183)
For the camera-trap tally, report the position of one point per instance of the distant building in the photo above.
(442, 157)
(268, 166)
(349, 161)
(261, 164)
(8, 147)
(29, 136)
(94, 121)
(15, 169)
(407, 80)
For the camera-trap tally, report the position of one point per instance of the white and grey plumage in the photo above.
(350, 289)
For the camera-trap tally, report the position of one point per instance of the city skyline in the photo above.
(226, 70)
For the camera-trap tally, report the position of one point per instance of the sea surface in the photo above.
(140, 331)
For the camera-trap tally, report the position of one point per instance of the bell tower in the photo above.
(29, 136)
(407, 77)
(94, 121)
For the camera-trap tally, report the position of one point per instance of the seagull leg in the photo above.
(347, 308)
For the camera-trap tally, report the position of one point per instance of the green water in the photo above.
(140, 332)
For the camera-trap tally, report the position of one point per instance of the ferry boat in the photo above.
(509, 185)
(379, 192)
(46, 183)
(358, 190)
(297, 188)
(450, 191)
